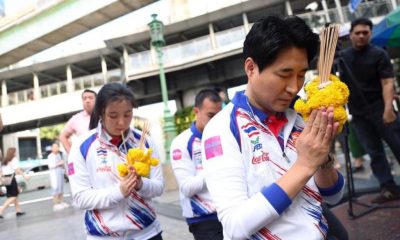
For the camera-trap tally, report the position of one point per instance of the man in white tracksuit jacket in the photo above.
(196, 203)
(266, 170)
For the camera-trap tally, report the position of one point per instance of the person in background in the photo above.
(368, 72)
(357, 151)
(116, 207)
(265, 168)
(186, 163)
(9, 167)
(57, 171)
(79, 123)
(223, 95)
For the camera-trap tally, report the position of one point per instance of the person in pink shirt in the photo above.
(79, 123)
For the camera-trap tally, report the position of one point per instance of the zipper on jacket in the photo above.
(285, 157)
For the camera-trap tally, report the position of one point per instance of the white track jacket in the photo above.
(187, 165)
(242, 160)
(94, 185)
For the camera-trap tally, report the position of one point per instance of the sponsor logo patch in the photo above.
(103, 169)
(264, 157)
(256, 143)
(213, 147)
(176, 154)
(71, 169)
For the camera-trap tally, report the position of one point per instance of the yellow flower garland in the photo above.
(140, 159)
(334, 94)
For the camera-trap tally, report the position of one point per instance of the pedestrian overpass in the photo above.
(55, 24)
(200, 54)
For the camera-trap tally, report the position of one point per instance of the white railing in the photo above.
(53, 89)
(188, 51)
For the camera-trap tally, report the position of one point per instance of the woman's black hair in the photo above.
(110, 92)
(270, 35)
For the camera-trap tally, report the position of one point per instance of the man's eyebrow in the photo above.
(291, 70)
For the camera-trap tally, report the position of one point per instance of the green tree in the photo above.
(184, 118)
(51, 132)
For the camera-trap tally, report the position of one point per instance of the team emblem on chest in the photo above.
(102, 164)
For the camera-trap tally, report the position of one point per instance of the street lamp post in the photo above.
(157, 41)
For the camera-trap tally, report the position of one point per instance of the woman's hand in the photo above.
(139, 183)
(131, 182)
(26, 177)
(314, 142)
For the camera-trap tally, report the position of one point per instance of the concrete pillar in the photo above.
(325, 7)
(212, 36)
(394, 4)
(246, 23)
(38, 145)
(124, 65)
(153, 55)
(288, 8)
(36, 88)
(70, 82)
(4, 94)
(340, 11)
(104, 69)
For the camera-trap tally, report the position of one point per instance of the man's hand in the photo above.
(314, 142)
(389, 116)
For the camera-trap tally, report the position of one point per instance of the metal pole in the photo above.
(394, 4)
(163, 82)
(4, 94)
(169, 124)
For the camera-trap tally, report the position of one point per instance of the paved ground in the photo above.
(42, 223)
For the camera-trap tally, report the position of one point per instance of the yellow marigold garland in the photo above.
(334, 94)
(140, 159)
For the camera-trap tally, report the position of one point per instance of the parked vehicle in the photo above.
(39, 178)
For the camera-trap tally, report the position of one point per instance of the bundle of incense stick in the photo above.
(329, 37)
(145, 131)
(123, 140)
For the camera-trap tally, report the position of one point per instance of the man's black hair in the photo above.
(218, 89)
(270, 35)
(361, 21)
(89, 91)
(210, 94)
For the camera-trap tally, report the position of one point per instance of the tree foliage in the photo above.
(51, 132)
(184, 118)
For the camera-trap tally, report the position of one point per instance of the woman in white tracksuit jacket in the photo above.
(116, 208)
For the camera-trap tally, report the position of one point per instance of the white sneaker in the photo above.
(58, 207)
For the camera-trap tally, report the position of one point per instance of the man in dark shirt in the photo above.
(369, 74)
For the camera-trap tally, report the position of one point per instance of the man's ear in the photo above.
(196, 110)
(250, 67)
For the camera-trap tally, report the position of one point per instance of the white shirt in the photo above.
(53, 160)
(10, 167)
(242, 160)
